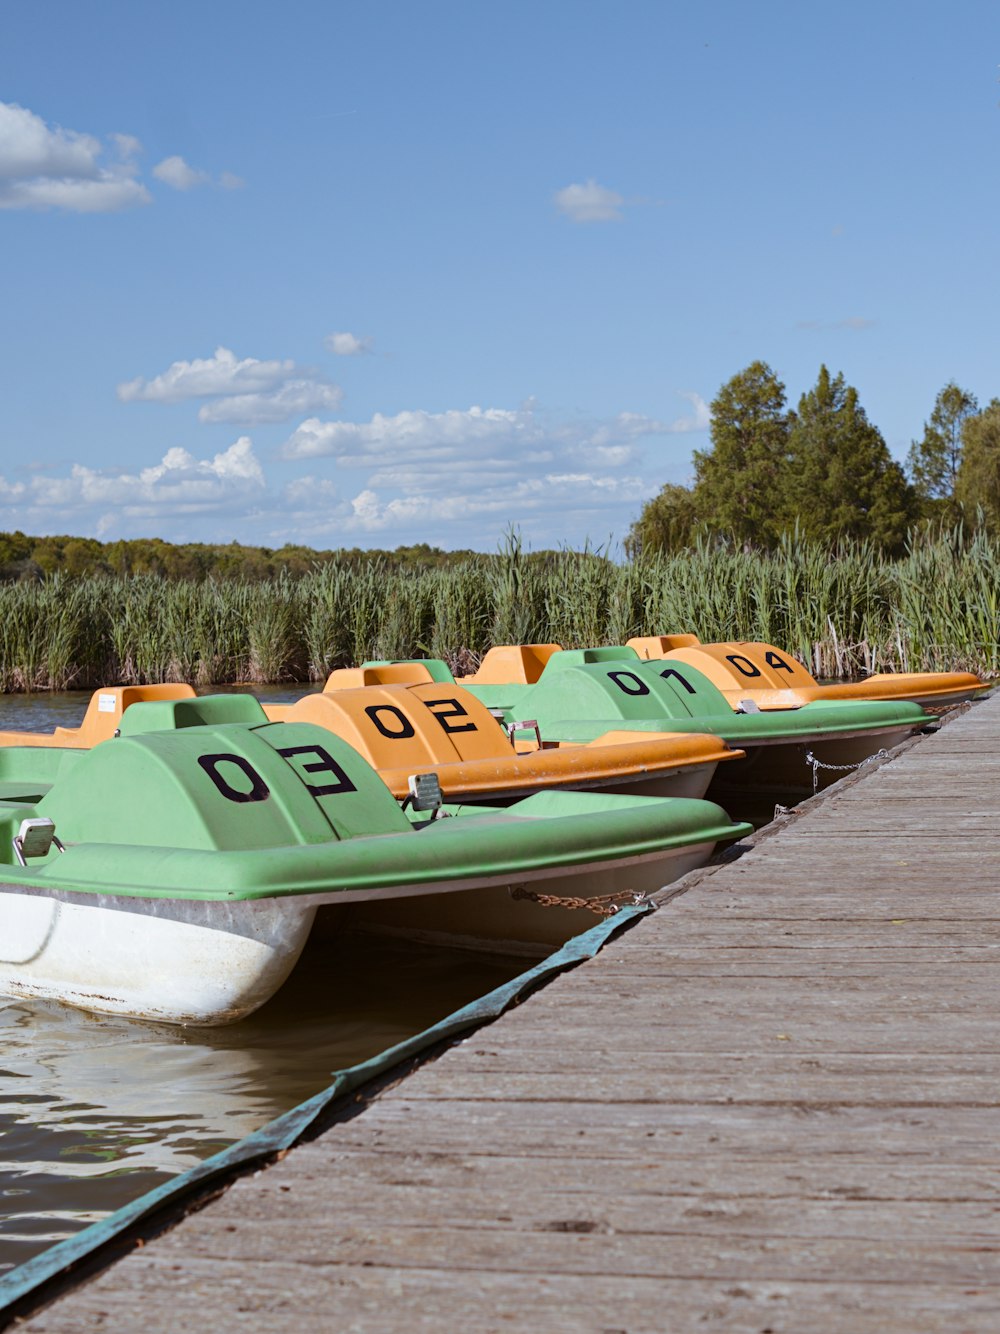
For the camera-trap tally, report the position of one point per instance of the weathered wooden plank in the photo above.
(806, 1175)
(556, 1130)
(732, 962)
(622, 1230)
(612, 1080)
(712, 1240)
(373, 1299)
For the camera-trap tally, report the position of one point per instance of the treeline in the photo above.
(824, 472)
(842, 613)
(23, 557)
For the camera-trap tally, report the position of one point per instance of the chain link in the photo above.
(603, 905)
(840, 768)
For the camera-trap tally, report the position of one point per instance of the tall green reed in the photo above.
(841, 612)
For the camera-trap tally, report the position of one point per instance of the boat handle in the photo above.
(34, 839)
(425, 794)
(525, 725)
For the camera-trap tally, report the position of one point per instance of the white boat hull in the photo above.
(180, 961)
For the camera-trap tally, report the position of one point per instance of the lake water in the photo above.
(96, 1110)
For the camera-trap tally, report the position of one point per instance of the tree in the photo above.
(843, 482)
(935, 460)
(977, 486)
(740, 481)
(667, 522)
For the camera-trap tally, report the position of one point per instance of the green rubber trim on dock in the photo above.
(285, 1131)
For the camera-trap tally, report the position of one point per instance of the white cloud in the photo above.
(174, 171)
(699, 420)
(127, 144)
(366, 509)
(29, 148)
(474, 471)
(348, 344)
(310, 492)
(411, 430)
(43, 167)
(247, 391)
(484, 437)
(179, 484)
(589, 202)
(291, 400)
(549, 498)
(222, 373)
(179, 175)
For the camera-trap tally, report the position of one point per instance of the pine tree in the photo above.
(843, 482)
(934, 461)
(740, 482)
(977, 486)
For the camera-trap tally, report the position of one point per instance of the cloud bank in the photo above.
(246, 392)
(471, 472)
(43, 167)
(178, 485)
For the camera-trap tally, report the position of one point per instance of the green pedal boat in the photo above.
(578, 694)
(174, 872)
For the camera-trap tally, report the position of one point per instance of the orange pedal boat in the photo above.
(102, 719)
(772, 679)
(403, 722)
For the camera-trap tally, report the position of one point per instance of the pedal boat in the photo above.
(577, 693)
(402, 720)
(102, 718)
(174, 872)
(773, 679)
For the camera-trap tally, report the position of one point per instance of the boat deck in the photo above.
(770, 1106)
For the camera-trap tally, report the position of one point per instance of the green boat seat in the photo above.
(576, 657)
(167, 715)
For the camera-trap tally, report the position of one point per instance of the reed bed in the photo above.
(842, 613)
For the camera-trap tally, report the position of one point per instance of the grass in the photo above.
(840, 612)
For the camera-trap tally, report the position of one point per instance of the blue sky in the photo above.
(371, 274)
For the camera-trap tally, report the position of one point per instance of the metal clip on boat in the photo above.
(34, 839)
(425, 794)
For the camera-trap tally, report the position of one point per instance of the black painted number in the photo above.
(240, 772)
(325, 764)
(396, 726)
(672, 674)
(446, 710)
(629, 683)
(773, 660)
(742, 665)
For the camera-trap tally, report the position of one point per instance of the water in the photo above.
(97, 1110)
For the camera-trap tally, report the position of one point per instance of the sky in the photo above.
(374, 274)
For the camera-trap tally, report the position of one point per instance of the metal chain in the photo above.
(604, 905)
(840, 768)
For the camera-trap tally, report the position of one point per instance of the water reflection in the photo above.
(95, 1110)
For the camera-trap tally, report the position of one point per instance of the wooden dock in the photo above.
(773, 1105)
